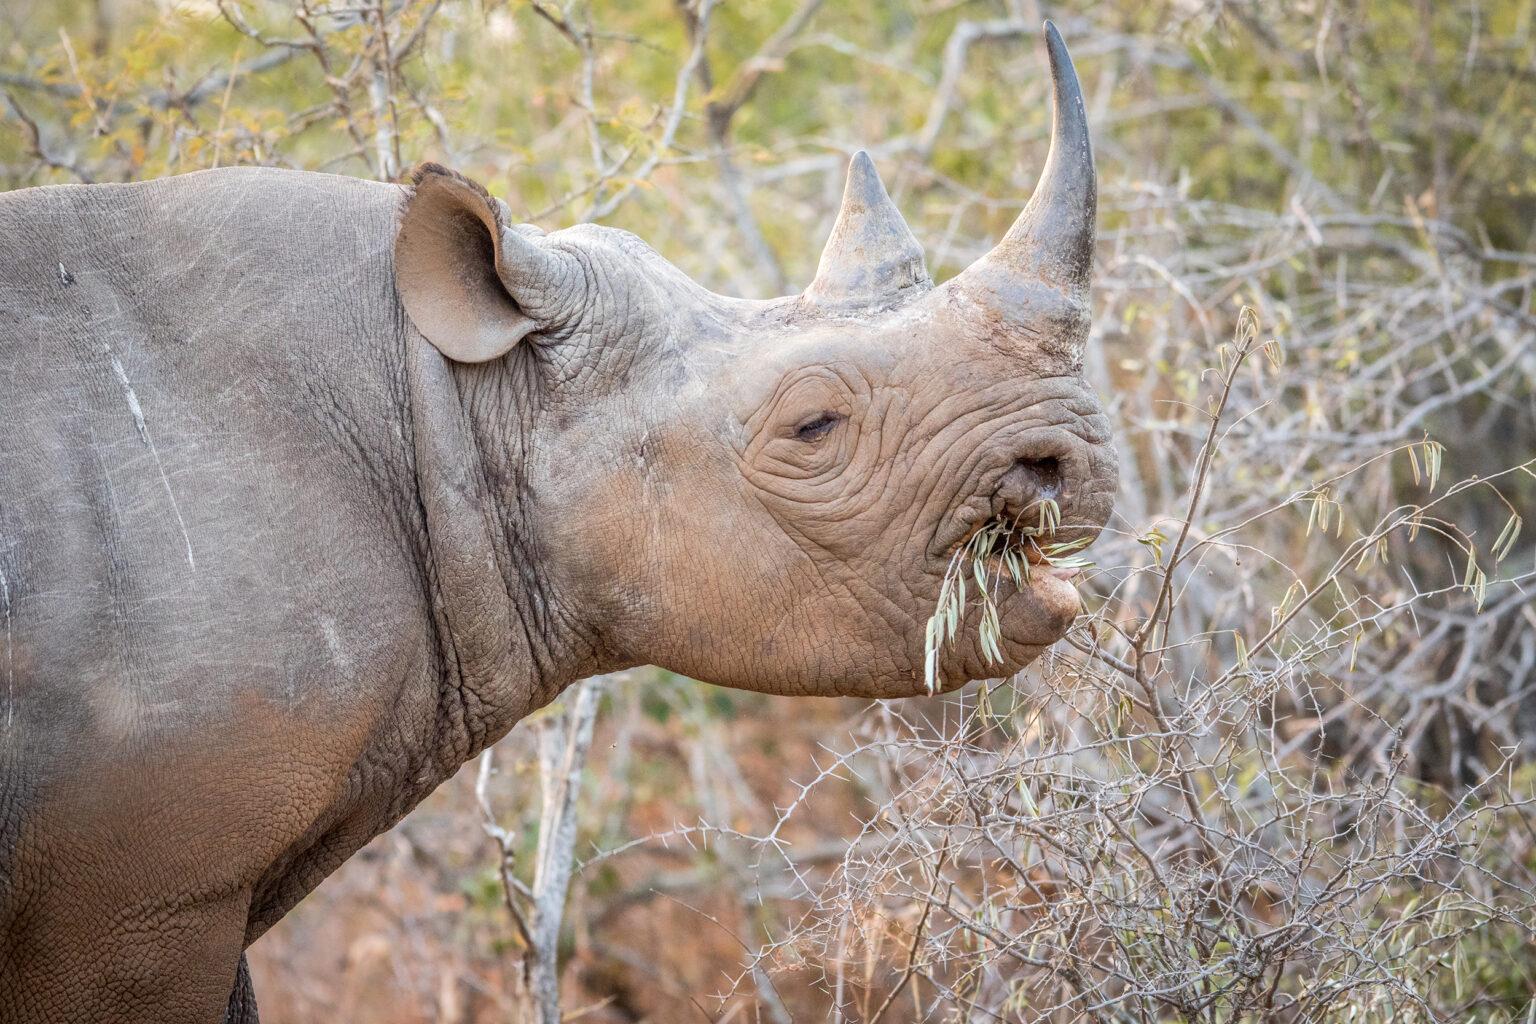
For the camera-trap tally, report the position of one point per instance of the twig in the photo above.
(35, 143)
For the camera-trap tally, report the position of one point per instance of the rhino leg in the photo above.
(242, 1001)
(86, 956)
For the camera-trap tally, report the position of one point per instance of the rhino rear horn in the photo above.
(1051, 243)
(872, 258)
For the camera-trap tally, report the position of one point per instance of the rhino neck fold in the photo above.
(498, 665)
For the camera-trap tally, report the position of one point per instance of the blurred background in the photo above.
(1280, 772)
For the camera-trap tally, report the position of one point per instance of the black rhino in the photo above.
(311, 488)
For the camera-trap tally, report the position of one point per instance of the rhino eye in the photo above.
(817, 427)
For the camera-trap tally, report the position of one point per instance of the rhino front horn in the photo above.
(1051, 244)
(872, 259)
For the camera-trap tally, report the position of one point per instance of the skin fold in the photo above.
(313, 487)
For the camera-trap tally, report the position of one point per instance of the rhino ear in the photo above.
(459, 268)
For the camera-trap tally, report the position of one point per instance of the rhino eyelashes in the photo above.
(818, 427)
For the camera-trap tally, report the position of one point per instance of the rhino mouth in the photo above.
(1010, 537)
(1023, 598)
(1016, 548)
(1009, 557)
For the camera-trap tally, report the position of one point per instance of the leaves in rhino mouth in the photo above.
(999, 546)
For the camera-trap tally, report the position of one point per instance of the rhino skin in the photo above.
(312, 487)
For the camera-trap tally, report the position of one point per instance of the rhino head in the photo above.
(767, 494)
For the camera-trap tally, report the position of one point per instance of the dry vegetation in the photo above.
(1280, 773)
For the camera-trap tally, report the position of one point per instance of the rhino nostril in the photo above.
(1026, 487)
(1042, 476)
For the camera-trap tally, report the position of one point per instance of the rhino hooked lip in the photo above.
(1029, 620)
(1035, 499)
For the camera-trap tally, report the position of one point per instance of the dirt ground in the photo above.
(413, 928)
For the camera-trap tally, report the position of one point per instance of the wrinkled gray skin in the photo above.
(310, 488)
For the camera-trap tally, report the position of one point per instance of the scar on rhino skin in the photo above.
(10, 668)
(149, 442)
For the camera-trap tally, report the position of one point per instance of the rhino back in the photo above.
(211, 598)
